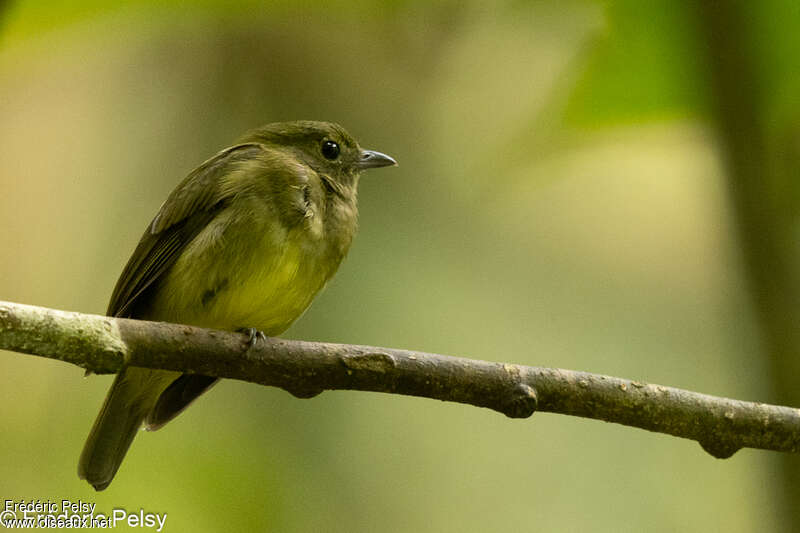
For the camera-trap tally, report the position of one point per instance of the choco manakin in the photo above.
(243, 243)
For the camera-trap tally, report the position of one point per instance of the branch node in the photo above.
(302, 393)
(522, 403)
(719, 449)
(377, 362)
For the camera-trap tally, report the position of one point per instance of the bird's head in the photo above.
(324, 146)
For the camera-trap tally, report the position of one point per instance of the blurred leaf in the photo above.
(643, 66)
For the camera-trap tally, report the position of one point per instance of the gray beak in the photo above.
(373, 159)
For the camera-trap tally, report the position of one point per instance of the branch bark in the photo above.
(102, 344)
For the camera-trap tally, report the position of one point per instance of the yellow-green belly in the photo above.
(241, 274)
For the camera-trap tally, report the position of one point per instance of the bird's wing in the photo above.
(189, 208)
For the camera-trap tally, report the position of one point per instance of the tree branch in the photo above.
(104, 344)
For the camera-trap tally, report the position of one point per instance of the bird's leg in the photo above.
(253, 336)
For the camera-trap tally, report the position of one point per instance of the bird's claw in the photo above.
(253, 336)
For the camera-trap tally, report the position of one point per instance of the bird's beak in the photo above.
(373, 159)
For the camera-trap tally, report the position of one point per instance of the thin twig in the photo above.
(103, 344)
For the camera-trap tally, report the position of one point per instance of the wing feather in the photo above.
(190, 207)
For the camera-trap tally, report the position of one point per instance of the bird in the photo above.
(243, 243)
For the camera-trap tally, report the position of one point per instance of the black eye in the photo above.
(330, 150)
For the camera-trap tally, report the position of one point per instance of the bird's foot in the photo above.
(253, 336)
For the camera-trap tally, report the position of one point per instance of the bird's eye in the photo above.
(330, 150)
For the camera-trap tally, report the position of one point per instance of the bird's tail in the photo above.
(123, 412)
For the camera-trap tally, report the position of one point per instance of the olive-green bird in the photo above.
(245, 242)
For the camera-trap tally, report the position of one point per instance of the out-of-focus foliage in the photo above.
(560, 201)
(645, 65)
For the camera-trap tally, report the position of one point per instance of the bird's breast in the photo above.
(246, 269)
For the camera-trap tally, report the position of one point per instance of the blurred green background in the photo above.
(603, 186)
